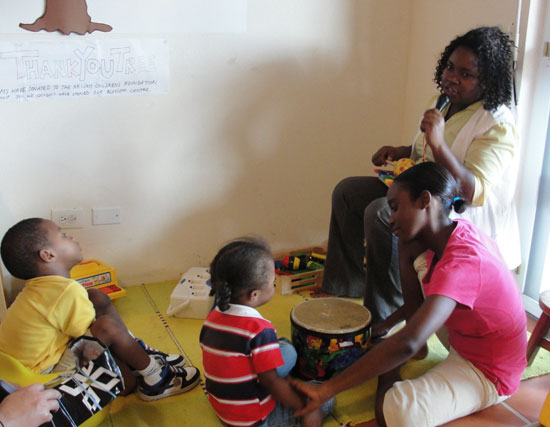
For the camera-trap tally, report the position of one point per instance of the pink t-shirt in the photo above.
(488, 325)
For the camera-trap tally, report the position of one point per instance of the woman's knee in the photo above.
(375, 220)
(342, 190)
(395, 413)
(376, 211)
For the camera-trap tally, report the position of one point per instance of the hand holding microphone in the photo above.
(433, 124)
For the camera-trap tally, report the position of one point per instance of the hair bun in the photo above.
(458, 204)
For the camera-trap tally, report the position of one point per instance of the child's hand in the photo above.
(316, 393)
(87, 352)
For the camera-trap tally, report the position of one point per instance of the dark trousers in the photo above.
(360, 213)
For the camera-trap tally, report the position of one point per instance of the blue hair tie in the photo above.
(455, 200)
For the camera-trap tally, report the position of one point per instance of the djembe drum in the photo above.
(329, 334)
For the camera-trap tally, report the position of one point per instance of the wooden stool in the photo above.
(538, 337)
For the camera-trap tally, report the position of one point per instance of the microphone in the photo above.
(442, 101)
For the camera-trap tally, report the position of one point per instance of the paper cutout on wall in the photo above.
(66, 16)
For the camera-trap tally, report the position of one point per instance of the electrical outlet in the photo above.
(68, 218)
(102, 216)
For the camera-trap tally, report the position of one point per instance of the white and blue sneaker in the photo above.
(174, 380)
(174, 360)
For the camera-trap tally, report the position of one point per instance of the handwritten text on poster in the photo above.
(37, 70)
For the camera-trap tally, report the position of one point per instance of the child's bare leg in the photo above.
(115, 336)
(385, 382)
(130, 380)
(103, 305)
(157, 378)
(126, 351)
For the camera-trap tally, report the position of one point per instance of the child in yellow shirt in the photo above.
(53, 309)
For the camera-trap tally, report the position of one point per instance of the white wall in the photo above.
(256, 130)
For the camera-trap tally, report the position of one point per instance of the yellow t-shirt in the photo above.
(45, 316)
(488, 156)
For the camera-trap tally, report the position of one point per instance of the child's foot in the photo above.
(174, 360)
(174, 380)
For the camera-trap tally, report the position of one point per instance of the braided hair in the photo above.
(433, 177)
(493, 50)
(240, 266)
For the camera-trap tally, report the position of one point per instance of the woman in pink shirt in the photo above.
(467, 290)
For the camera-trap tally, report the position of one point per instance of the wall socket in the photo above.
(102, 216)
(68, 218)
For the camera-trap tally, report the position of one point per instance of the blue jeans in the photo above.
(289, 356)
(282, 416)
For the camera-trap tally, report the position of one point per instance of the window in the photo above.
(533, 195)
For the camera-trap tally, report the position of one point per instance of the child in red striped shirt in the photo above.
(244, 362)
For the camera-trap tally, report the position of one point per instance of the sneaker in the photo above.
(174, 360)
(174, 380)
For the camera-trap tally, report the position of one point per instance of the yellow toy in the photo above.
(545, 414)
(402, 165)
(15, 372)
(399, 167)
(95, 274)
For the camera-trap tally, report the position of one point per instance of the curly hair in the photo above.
(21, 245)
(494, 52)
(240, 266)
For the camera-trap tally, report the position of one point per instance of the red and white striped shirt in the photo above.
(237, 345)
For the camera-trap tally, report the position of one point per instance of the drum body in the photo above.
(329, 334)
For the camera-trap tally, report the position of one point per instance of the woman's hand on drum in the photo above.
(389, 154)
(317, 395)
(378, 331)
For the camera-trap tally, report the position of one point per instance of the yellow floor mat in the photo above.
(144, 311)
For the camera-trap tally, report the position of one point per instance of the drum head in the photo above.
(330, 315)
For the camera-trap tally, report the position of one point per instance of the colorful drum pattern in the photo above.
(329, 334)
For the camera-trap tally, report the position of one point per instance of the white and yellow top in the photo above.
(487, 143)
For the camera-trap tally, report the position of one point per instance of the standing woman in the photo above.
(474, 138)
(468, 289)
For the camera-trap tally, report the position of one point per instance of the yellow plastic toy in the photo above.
(15, 372)
(92, 273)
(402, 165)
(545, 414)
